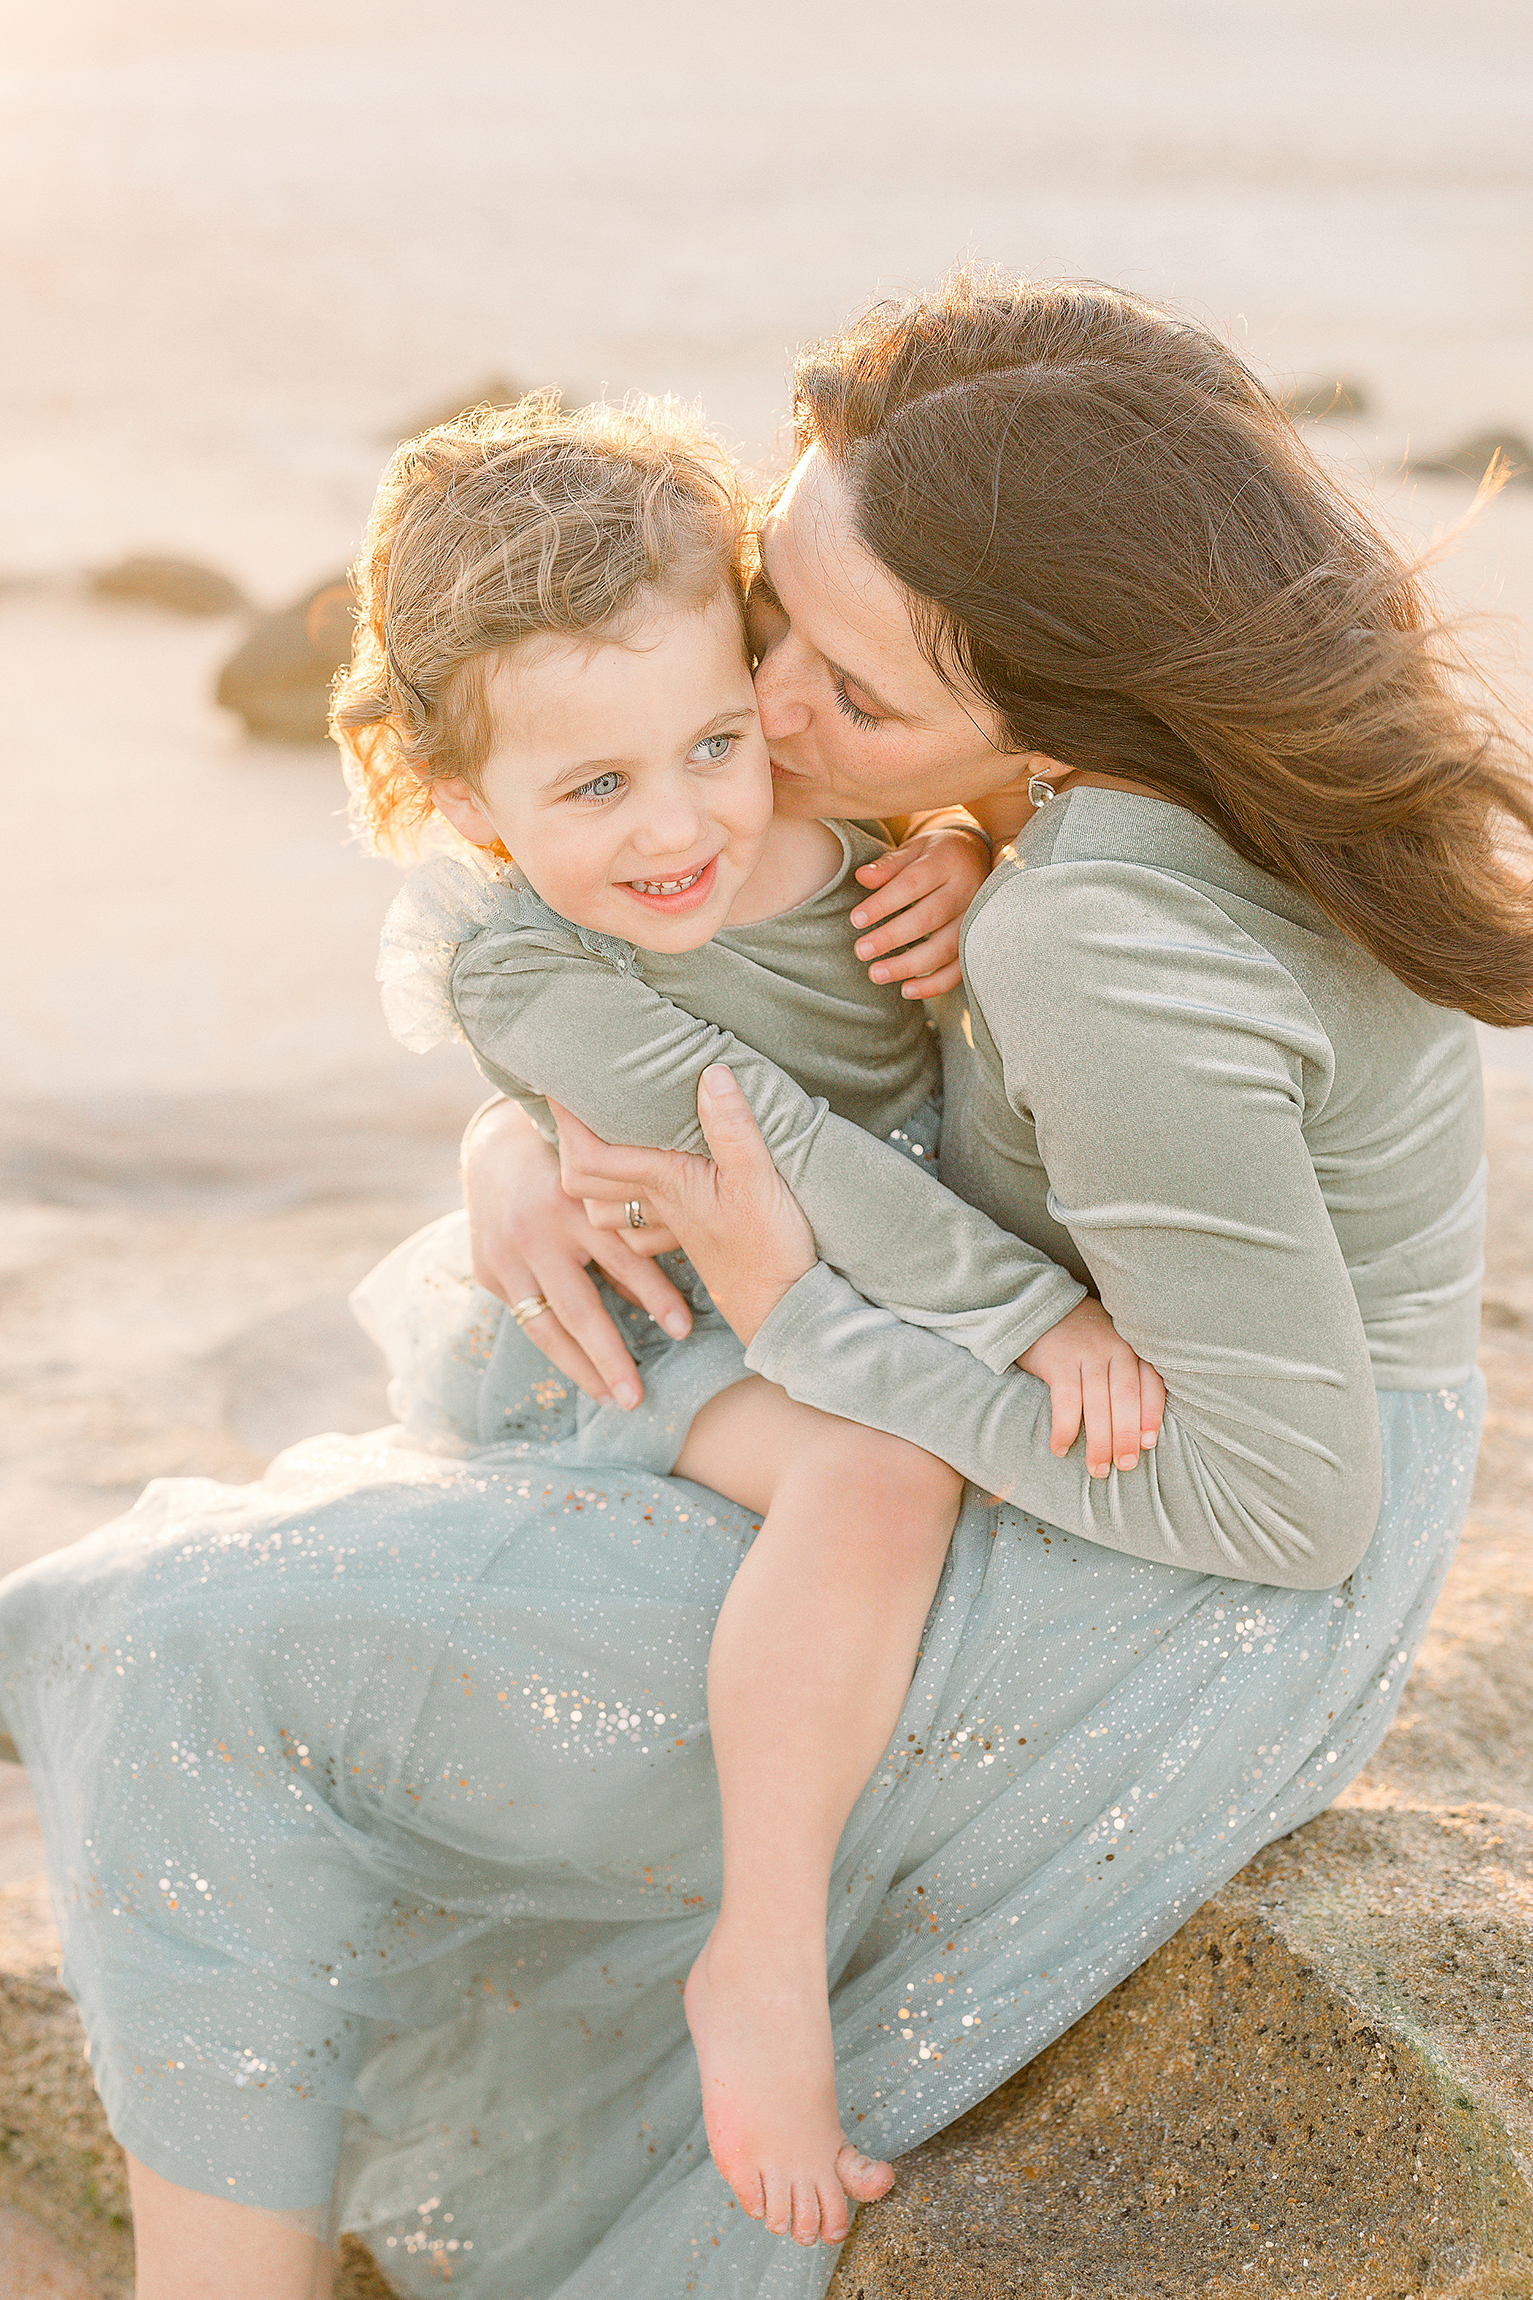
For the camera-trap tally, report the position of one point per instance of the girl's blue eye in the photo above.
(713, 749)
(601, 786)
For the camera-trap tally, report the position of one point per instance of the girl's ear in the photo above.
(464, 809)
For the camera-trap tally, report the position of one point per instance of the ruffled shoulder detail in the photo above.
(440, 907)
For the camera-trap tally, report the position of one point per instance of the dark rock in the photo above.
(1320, 397)
(279, 680)
(1471, 458)
(179, 584)
(495, 391)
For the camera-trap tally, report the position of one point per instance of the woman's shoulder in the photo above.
(1092, 854)
(454, 907)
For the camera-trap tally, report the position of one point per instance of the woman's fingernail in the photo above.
(627, 1395)
(719, 1080)
(879, 973)
(1147, 1439)
(677, 1323)
(859, 918)
(1128, 1461)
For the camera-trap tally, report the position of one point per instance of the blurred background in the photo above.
(245, 250)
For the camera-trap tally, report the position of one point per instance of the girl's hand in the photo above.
(930, 881)
(738, 1222)
(527, 1237)
(1094, 1376)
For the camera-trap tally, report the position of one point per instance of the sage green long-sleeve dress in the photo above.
(378, 1796)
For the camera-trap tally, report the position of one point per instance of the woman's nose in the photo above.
(780, 700)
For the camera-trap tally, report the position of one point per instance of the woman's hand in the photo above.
(528, 1238)
(738, 1222)
(1094, 1376)
(929, 881)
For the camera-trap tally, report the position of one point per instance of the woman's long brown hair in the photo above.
(1109, 527)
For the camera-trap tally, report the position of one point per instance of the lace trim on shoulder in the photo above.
(438, 909)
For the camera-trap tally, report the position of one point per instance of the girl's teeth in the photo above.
(666, 885)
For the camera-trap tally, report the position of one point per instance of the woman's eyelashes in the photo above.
(851, 710)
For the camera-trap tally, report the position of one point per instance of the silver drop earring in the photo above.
(1039, 791)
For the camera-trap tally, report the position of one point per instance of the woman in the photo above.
(1045, 549)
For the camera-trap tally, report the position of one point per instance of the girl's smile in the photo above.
(677, 895)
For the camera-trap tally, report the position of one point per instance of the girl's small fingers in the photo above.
(928, 916)
(1123, 1391)
(1152, 1405)
(934, 985)
(918, 877)
(1096, 1412)
(939, 949)
(1065, 1397)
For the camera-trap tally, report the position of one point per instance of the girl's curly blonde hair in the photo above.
(510, 524)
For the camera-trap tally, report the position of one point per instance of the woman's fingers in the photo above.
(649, 1239)
(638, 1280)
(613, 1172)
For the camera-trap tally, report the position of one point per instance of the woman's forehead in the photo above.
(843, 602)
(829, 582)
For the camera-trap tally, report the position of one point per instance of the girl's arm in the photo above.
(626, 1060)
(1167, 1062)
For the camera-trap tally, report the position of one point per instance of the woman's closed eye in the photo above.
(853, 711)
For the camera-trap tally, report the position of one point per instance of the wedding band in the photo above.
(635, 1212)
(532, 1306)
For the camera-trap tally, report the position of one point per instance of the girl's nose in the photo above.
(673, 824)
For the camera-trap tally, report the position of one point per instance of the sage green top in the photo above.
(829, 1060)
(1178, 1079)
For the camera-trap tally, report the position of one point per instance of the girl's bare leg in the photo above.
(188, 2246)
(812, 1658)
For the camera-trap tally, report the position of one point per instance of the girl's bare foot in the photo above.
(760, 2022)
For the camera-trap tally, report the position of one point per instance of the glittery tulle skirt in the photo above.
(383, 1827)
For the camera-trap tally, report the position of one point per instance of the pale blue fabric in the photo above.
(383, 1826)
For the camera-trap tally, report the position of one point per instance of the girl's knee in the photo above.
(894, 1482)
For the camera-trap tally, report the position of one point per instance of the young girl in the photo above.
(552, 657)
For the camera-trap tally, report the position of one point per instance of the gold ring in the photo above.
(532, 1306)
(635, 1212)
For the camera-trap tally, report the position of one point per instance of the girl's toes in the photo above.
(861, 2176)
(835, 2220)
(806, 2212)
(777, 2200)
(749, 2192)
